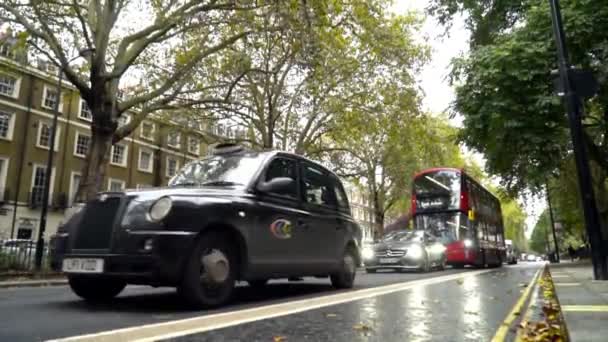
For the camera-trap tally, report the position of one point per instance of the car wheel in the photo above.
(345, 277)
(96, 289)
(258, 283)
(370, 270)
(426, 265)
(210, 275)
(443, 263)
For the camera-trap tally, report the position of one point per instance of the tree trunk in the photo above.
(94, 170)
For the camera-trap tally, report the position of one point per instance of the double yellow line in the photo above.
(516, 312)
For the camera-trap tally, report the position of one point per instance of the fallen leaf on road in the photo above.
(279, 339)
(331, 315)
(470, 313)
(523, 285)
(509, 291)
(362, 327)
(459, 281)
(493, 298)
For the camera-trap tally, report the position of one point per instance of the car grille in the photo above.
(95, 228)
(390, 253)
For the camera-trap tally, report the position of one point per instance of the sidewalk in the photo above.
(23, 281)
(584, 301)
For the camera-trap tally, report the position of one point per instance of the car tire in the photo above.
(443, 263)
(96, 289)
(258, 283)
(345, 277)
(370, 270)
(426, 267)
(210, 274)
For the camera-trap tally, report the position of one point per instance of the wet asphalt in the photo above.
(467, 309)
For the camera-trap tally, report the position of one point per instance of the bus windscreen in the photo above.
(438, 190)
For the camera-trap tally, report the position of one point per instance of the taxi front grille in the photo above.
(391, 253)
(97, 223)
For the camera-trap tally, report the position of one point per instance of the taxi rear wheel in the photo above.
(96, 289)
(345, 277)
(210, 275)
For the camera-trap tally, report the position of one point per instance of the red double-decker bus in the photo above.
(464, 215)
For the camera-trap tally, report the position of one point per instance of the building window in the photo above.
(147, 130)
(3, 176)
(146, 160)
(44, 136)
(7, 50)
(123, 120)
(50, 99)
(7, 123)
(173, 139)
(85, 112)
(119, 155)
(74, 184)
(81, 145)
(116, 185)
(38, 178)
(9, 86)
(194, 145)
(172, 166)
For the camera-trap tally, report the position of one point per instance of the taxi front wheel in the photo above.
(345, 277)
(210, 275)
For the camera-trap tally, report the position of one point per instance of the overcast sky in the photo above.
(433, 81)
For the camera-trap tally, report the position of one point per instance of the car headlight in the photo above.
(438, 248)
(71, 211)
(160, 209)
(367, 253)
(468, 243)
(415, 252)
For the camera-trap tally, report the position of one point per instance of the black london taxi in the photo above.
(235, 215)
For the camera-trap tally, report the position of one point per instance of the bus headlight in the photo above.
(468, 243)
(367, 253)
(415, 252)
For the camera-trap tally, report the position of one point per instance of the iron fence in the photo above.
(20, 255)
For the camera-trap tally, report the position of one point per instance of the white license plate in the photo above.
(389, 260)
(82, 265)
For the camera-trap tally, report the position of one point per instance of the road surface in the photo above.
(453, 305)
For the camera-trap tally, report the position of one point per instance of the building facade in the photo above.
(149, 157)
(361, 210)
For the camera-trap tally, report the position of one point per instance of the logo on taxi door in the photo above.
(281, 229)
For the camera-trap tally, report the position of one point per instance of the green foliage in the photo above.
(540, 234)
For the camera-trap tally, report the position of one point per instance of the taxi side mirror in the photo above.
(279, 185)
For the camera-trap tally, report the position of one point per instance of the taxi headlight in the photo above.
(367, 253)
(160, 209)
(415, 252)
(468, 243)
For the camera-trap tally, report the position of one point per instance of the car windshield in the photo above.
(223, 170)
(408, 236)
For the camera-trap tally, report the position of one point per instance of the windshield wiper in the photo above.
(220, 183)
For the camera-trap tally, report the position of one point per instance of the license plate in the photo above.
(389, 260)
(81, 265)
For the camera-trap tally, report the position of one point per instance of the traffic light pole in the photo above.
(573, 103)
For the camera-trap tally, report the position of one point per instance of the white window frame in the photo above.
(150, 169)
(15, 94)
(4, 175)
(167, 166)
(11, 125)
(153, 131)
(143, 186)
(45, 91)
(110, 180)
(198, 145)
(125, 155)
(76, 154)
(71, 196)
(80, 116)
(51, 186)
(179, 140)
(57, 135)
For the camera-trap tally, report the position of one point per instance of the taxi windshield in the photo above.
(228, 170)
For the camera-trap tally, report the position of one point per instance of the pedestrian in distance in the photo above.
(571, 252)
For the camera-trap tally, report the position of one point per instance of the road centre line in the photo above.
(502, 331)
(189, 326)
(585, 308)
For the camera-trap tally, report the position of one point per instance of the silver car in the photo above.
(406, 250)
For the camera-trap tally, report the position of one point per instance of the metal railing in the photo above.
(19, 255)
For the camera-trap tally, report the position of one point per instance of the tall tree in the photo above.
(151, 46)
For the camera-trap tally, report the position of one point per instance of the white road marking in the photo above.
(188, 326)
(566, 284)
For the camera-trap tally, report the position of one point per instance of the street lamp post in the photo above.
(49, 164)
(552, 223)
(573, 102)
